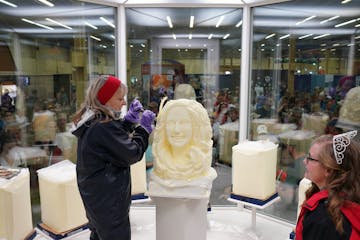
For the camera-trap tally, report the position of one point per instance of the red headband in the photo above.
(108, 89)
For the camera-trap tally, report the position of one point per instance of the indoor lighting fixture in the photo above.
(345, 1)
(321, 36)
(226, 36)
(174, 36)
(107, 22)
(270, 36)
(90, 25)
(358, 25)
(169, 22)
(8, 3)
(305, 20)
(219, 22)
(358, 37)
(143, 45)
(210, 36)
(95, 38)
(192, 19)
(285, 36)
(58, 23)
(47, 3)
(305, 36)
(112, 36)
(346, 23)
(238, 24)
(37, 24)
(329, 19)
(190, 36)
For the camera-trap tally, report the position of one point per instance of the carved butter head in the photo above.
(182, 144)
(178, 127)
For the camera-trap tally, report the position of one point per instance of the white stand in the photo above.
(253, 206)
(181, 218)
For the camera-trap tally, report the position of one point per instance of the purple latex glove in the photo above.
(133, 114)
(147, 120)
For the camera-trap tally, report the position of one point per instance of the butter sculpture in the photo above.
(182, 150)
(61, 205)
(254, 169)
(15, 206)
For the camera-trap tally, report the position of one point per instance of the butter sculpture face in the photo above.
(182, 141)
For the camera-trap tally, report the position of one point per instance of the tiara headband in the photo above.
(340, 143)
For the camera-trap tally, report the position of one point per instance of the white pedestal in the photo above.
(181, 218)
(253, 208)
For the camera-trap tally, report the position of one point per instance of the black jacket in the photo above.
(104, 155)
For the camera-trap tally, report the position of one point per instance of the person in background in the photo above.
(6, 101)
(332, 206)
(107, 146)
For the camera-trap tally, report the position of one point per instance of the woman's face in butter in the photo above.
(178, 126)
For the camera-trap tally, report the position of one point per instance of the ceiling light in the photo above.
(345, 1)
(143, 45)
(8, 3)
(210, 36)
(358, 25)
(37, 24)
(357, 37)
(107, 22)
(329, 19)
(305, 36)
(336, 44)
(226, 36)
(90, 25)
(190, 36)
(95, 38)
(321, 36)
(305, 20)
(219, 22)
(270, 36)
(112, 36)
(346, 23)
(169, 21)
(238, 24)
(58, 23)
(47, 3)
(285, 36)
(192, 18)
(174, 36)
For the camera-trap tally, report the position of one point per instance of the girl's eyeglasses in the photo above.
(308, 157)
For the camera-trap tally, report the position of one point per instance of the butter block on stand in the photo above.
(15, 205)
(254, 169)
(228, 137)
(61, 205)
(315, 122)
(138, 178)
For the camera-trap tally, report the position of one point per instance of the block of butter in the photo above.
(61, 206)
(15, 205)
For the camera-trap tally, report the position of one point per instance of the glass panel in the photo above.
(305, 60)
(48, 55)
(205, 56)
